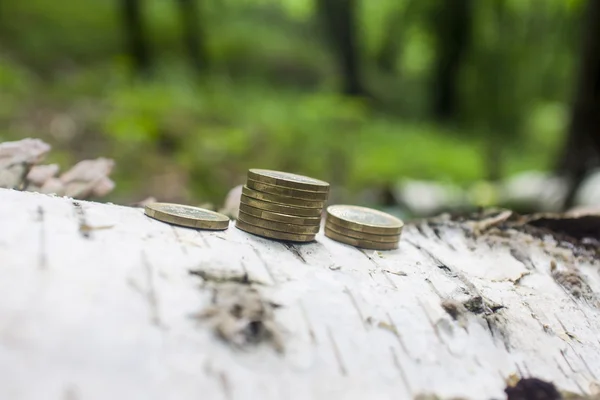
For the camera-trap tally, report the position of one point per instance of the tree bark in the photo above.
(135, 35)
(192, 34)
(338, 18)
(99, 301)
(453, 36)
(583, 139)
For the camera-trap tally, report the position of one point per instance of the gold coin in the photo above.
(286, 192)
(281, 208)
(273, 234)
(365, 244)
(362, 235)
(278, 226)
(272, 198)
(192, 217)
(276, 217)
(363, 219)
(288, 180)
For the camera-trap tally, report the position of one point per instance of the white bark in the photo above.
(97, 302)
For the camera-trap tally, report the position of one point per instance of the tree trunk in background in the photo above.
(390, 47)
(387, 57)
(583, 141)
(192, 34)
(136, 36)
(338, 18)
(453, 25)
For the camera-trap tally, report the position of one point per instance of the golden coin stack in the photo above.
(363, 227)
(283, 206)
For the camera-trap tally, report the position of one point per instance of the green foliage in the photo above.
(270, 97)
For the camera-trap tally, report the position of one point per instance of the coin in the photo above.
(363, 219)
(278, 226)
(365, 244)
(281, 208)
(192, 217)
(286, 192)
(288, 180)
(273, 234)
(362, 235)
(277, 217)
(272, 198)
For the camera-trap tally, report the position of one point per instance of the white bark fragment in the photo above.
(98, 302)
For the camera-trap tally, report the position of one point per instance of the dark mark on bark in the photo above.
(436, 232)
(480, 305)
(397, 273)
(84, 229)
(265, 264)
(398, 366)
(294, 251)
(587, 366)
(564, 356)
(225, 385)
(336, 352)
(545, 327)
(221, 276)
(420, 229)
(311, 332)
(433, 325)
(560, 368)
(355, 305)
(433, 288)
(532, 389)
(151, 291)
(178, 238)
(43, 258)
(456, 310)
(396, 333)
(383, 271)
(522, 257)
(574, 283)
(203, 239)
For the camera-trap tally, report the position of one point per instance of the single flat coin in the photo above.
(287, 179)
(286, 192)
(278, 226)
(281, 208)
(273, 198)
(363, 219)
(276, 217)
(192, 217)
(362, 235)
(364, 244)
(273, 234)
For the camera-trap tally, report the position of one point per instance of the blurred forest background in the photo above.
(430, 104)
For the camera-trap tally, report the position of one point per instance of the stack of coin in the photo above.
(363, 227)
(282, 206)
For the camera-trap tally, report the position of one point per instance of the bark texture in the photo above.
(101, 302)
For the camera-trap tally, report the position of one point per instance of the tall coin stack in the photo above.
(363, 227)
(281, 205)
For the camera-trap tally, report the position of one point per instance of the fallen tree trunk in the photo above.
(99, 301)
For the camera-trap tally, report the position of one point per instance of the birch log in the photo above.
(98, 302)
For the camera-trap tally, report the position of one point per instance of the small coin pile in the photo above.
(281, 205)
(188, 216)
(363, 227)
